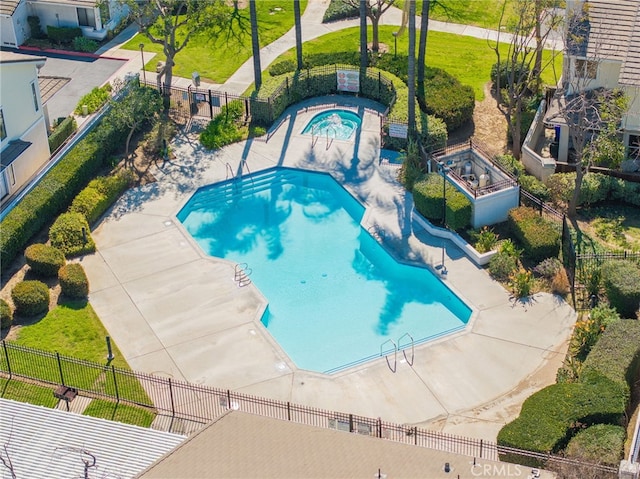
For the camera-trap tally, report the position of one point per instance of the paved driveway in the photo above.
(85, 74)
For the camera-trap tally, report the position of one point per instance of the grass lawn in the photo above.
(217, 58)
(616, 227)
(72, 329)
(27, 392)
(468, 59)
(481, 13)
(120, 412)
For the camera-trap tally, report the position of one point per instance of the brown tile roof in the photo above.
(7, 7)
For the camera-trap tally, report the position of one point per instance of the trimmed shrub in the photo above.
(35, 27)
(44, 260)
(99, 195)
(281, 67)
(511, 164)
(616, 356)
(458, 211)
(70, 232)
(223, 130)
(594, 189)
(62, 131)
(83, 44)
(339, 10)
(73, 281)
(548, 417)
(601, 443)
(534, 186)
(447, 99)
(6, 314)
(63, 34)
(621, 280)
(427, 198)
(502, 265)
(30, 298)
(94, 99)
(54, 192)
(539, 237)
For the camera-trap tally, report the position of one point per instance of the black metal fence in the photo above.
(189, 407)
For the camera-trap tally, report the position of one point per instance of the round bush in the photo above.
(448, 99)
(71, 233)
(73, 281)
(599, 443)
(621, 281)
(44, 260)
(520, 72)
(6, 314)
(30, 298)
(502, 266)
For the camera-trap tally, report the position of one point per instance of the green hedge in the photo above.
(99, 195)
(548, 417)
(6, 314)
(94, 100)
(61, 132)
(73, 281)
(70, 233)
(30, 298)
(54, 193)
(44, 260)
(447, 98)
(63, 34)
(222, 130)
(601, 443)
(539, 237)
(277, 93)
(339, 10)
(616, 355)
(427, 197)
(621, 281)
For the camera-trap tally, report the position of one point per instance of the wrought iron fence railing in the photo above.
(199, 405)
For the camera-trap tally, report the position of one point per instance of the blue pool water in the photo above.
(335, 295)
(337, 124)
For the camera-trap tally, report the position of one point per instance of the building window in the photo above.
(634, 147)
(12, 175)
(34, 92)
(587, 69)
(86, 17)
(3, 128)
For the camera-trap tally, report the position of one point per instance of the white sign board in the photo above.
(397, 130)
(348, 80)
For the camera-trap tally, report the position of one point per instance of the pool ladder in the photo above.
(329, 139)
(397, 347)
(241, 274)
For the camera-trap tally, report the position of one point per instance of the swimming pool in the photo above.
(336, 124)
(335, 295)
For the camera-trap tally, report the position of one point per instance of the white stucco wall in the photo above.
(632, 119)
(494, 207)
(22, 120)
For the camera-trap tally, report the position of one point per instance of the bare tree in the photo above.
(521, 69)
(584, 109)
(172, 23)
(374, 9)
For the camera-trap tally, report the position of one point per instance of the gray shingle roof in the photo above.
(43, 442)
(613, 32)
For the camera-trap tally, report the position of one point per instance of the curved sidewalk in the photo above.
(175, 312)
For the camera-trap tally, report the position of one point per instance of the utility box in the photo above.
(195, 78)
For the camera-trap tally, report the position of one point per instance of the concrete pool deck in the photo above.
(175, 312)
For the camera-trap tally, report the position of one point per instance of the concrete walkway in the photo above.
(175, 312)
(312, 27)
